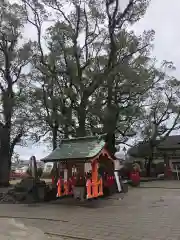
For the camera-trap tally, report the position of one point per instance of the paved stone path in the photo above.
(148, 213)
(11, 229)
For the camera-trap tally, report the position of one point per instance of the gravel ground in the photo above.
(13, 182)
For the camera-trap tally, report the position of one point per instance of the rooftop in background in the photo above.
(142, 149)
(23, 163)
(77, 148)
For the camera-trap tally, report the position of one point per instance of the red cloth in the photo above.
(73, 179)
(135, 177)
(53, 180)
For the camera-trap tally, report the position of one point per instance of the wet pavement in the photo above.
(147, 213)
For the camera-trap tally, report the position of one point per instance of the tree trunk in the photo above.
(5, 156)
(81, 131)
(150, 160)
(5, 168)
(148, 167)
(54, 137)
(110, 143)
(110, 122)
(54, 143)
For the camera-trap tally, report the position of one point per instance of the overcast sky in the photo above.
(162, 16)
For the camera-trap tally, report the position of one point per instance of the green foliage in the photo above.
(162, 113)
(88, 73)
(91, 68)
(96, 76)
(14, 58)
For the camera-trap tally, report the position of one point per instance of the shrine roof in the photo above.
(142, 149)
(76, 149)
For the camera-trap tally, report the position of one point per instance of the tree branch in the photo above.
(16, 140)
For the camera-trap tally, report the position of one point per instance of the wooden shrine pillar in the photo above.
(69, 168)
(167, 168)
(94, 171)
(95, 178)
